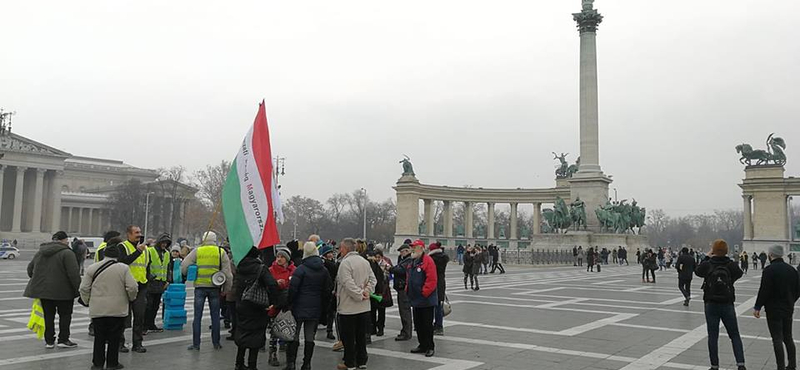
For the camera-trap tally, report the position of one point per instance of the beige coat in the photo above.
(113, 291)
(355, 276)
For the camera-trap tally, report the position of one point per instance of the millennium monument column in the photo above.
(589, 183)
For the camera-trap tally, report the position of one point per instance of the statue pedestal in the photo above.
(593, 191)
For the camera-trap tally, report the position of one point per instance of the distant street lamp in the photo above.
(365, 214)
(146, 212)
(615, 195)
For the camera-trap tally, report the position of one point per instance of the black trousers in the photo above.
(496, 265)
(232, 312)
(252, 359)
(780, 329)
(64, 310)
(138, 309)
(377, 317)
(646, 272)
(685, 285)
(423, 322)
(353, 333)
(107, 331)
(151, 310)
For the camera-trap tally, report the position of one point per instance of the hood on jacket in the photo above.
(248, 266)
(164, 238)
(51, 248)
(314, 263)
(434, 251)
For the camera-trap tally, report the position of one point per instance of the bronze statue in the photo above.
(774, 153)
(408, 169)
(577, 212)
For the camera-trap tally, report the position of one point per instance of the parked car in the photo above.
(8, 252)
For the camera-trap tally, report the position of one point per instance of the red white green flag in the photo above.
(250, 200)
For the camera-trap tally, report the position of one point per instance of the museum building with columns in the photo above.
(44, 189)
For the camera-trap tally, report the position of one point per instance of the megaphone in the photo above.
(219, 278)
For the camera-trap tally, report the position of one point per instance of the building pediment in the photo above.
(20, 144)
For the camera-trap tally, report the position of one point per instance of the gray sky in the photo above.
(474, 92)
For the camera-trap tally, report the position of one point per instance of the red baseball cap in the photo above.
(418, 243)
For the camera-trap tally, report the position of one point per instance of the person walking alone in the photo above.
(581, 255)
(591, 257)
(309, 294)
(399, 271)
(108, 288)
(719, 274)
(685, 266)
(421, 288)
(54, 280)
(355, 283)
(779, 290)
(744, 262)
(763, 258)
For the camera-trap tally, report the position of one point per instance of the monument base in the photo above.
(587, 240)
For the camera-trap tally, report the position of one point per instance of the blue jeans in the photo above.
(200, 295)
(727, 313)
(438, 317)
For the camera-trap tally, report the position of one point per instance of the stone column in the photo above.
(90, 230)
(448, 219)
(429, 222)
(588, 19)
(16, 225)
(537, 218)
(68, 226)
(490, 220)
(80, 221)
(407, 220)
(38, 194)
(748, 218)
(513, 234)
(469, 224)
(55, 220)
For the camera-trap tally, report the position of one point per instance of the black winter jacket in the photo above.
(399, 272)
(310, 289)
(685, 266)
(779, 290)
(440, 259)
(708, 264)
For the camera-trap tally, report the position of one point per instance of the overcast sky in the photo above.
(474, 92)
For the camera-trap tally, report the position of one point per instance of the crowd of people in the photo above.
(345, 287)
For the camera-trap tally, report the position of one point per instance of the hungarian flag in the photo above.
(250, 199)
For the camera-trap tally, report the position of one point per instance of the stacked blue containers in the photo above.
(175, 301)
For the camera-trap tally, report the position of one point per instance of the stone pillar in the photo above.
(407, 221)
(513, 226)
(537, 218)
(90, 230)
(588, 19)
(38, 194)
(748, 217)
(448, 219)
(16, 225)
(80, 221)
(490, 220)
(55, 220)
(2, 178)
(68, 225)
(429, 221)
(469, 224)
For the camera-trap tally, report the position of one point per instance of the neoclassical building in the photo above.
(44, 189)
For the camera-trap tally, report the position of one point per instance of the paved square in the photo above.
(530, 318)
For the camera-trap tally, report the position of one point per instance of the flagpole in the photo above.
(213, 218)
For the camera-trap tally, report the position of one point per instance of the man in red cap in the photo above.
(422, 292)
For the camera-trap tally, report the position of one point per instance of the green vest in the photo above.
(138, 266)
(158, 265)
(208, 263)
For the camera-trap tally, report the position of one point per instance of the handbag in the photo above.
(447, 308)
(284, 326)
(256, 293)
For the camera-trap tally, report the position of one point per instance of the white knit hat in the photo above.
(310, 250)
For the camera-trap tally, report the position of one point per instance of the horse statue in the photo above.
(577, 210)
(558, 218)
(775, 152)
(573, 168)
(749, 154)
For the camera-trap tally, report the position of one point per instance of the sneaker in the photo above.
(66, 344)
(193, 348)
(438, 331)
(402, 338)
(139, 349)
(155, 330)
(362, 367)
(741, 367)
(123, 349)
(49, 345)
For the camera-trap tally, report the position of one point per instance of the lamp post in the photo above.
(365, 214)
(615, 195)
(146, 212)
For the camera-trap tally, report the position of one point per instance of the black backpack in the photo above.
(719, 285)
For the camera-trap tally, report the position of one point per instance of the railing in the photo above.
(534, 257)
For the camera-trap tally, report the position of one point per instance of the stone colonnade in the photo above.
(85, 221)
(469, 219)
(30, 199)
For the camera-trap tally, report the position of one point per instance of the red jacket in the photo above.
(282, 273)
(421, 282)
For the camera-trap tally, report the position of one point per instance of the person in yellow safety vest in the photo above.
(157, 281)
(98, 255)
(210, 259)
(133, 253)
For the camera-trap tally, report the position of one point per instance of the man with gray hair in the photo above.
(355, 282)
(779, 290)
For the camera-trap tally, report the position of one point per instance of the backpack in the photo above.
(718, 285)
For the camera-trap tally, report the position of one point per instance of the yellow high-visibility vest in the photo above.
(36, 322)
(138, 266)
(208, 263)
(158, 265)
(99, 252)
